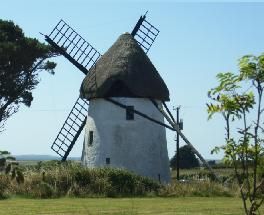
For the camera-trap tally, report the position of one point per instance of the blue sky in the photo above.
(196, 41)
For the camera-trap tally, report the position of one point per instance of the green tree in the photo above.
(21, 60)
(238, 97)
(187, 158)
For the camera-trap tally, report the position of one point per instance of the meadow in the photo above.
(92, 206)
(52, 188)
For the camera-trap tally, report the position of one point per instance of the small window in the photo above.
(90, 137)
(130, 113)
(159, 177)
(107, 160)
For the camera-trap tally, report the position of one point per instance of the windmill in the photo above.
(116, 98)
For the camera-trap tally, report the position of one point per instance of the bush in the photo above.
(112, 182)
(4, 186)
(125, 183)
(55, 179)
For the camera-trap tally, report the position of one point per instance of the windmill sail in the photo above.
(72, 46)
(144, 33)
(83, 55)
(71, 129)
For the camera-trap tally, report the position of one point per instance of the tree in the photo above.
(21, 60)
(187, 158)
(242, 108)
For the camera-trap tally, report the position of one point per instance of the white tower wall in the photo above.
(138, 145)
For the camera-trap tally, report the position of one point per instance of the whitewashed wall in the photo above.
(138, 145)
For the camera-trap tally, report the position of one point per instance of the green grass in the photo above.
(161, 206)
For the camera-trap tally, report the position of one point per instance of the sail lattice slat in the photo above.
(71, 129)
(145, 33)
(70, 44)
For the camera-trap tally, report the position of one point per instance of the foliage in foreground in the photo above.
(9, 171)
(238, 98)
(53, 179)
(70, 179)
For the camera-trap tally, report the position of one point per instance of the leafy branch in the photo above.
(244, 148)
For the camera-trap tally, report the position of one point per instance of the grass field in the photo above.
(161, 206)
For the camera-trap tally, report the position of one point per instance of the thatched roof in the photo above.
(124, 71)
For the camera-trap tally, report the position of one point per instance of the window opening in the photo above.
(107, 160)
(130, 113)
(90, 137)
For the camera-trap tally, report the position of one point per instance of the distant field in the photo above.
(202, 171)
(161, 206)
(35, 162)
(28, 162)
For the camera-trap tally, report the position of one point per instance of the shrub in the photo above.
(55, 179)
(4, 185)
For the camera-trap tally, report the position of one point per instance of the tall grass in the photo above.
(198, 189)
(55, 179)
(4, 186)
